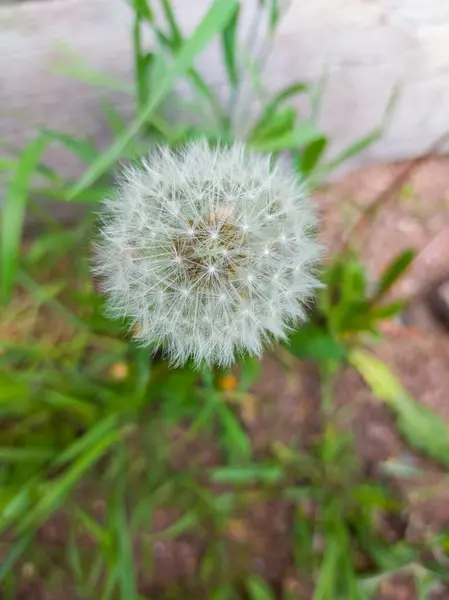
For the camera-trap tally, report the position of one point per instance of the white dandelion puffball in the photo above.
(209, 252)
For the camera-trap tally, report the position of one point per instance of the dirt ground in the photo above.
(418, 352)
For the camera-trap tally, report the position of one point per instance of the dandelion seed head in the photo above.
(209, 252)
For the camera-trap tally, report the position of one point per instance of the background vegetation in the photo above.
(99, 440)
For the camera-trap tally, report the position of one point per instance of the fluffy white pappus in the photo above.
(209, 251)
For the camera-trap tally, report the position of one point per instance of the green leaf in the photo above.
(144, 10)
(61, 401)
(234, 438)
(12, 391)
(176, 36)
(297, 138)
(421, 427)
(229, 46)
(113, 118)
(377, 375)
(311, 155)
(388, 310)
(272, 107)
(353, 281)
(354, 150)
(18, 455)
(225, 592)
(395, 270)
(126, 572)
(104, 428)
(14, 554)
(247, 475)
(99, 533)
(57, 490)
(142, 60)
(258, 589)
(279, 124)
(185, 523)
(84, 149)
(215, 19)
(79, 69)
(313, 343)
(329, 572)
(13, 212)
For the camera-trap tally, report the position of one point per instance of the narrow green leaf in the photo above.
(126, 572)
(377, 375)
(395, 270)
(144, 10)
(142, 60)
(353, 150)
(79, 69)
(216, 18)
(234, 438)
(314, 343)
(99, 533)
(272, 107)
(58, 490)
(421, 427)
(7, 164)
(115, 121)
(13, 212)
(281, 123)
(388, 310)
(19, 455)
(176, 36)
(247, 475)
(185, 523)
(226, 592)
(73, 405)
(104, 428)
(229, 46)
(84, 149)
(275, 14)
(258, 589)
(329, 572)
(14, 554)
(311, 156)
(297, 138)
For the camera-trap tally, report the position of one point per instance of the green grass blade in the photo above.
(126, 574)
(144, 9)
(76, 67)
(257, 589)
(142, 60)
(60, 488)
(216, 18)
(298, 137)
(170, 16)
(395, 270)
(421, 427)
(13, 212)
(234, 438)
(82, 148)
(229, 46)
(329, 572)
(16, 551)
(20, 455)
(104, 428)
(247, 475)
(353, 150)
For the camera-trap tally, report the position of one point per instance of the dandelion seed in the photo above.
(209, 252)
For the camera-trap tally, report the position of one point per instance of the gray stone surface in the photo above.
(366, 47)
